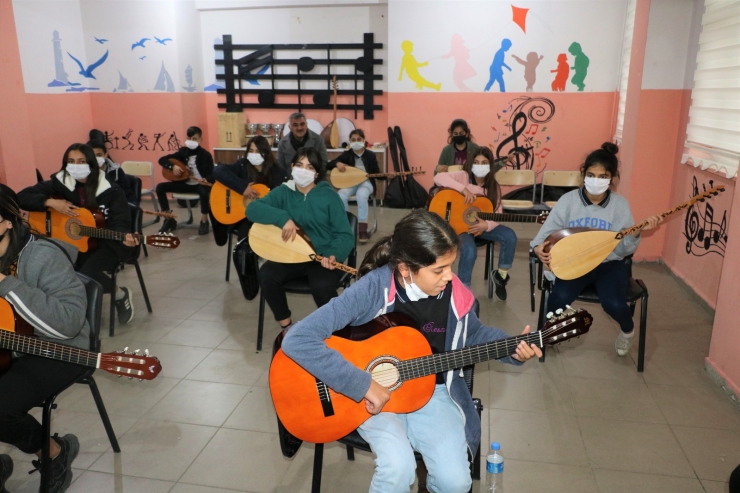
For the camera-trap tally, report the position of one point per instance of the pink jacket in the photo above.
(459, 181)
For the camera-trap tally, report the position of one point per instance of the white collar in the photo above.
(70, 182)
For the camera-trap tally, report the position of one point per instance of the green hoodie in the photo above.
(319, 213)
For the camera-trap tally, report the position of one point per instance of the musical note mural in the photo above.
(704, 235)
(525, 132)
(253, 67)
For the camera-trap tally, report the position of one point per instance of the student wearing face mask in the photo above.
(112, 170)
(200, 163)
(308, 202)
(460, 146)
(359, 157)
(596, 206)
(477, 178)
(80, 183)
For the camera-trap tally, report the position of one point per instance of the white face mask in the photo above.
(596, 186)
(303, 177)
(78, 171)
(356, 146)
(255, 158)
(481, 170)
(101, 161)
(191, 144)
(413, 292)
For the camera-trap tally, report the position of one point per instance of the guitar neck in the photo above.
(107, 234)
(507, 218)
(402, 173)
(38, 347)
(337, 265)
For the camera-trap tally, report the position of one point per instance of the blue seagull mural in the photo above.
(140, 43)
(162, 41)
(87, 72)
(101, 41)
(142, 57)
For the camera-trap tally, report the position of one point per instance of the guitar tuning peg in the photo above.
(146, 352)
(130, 378)
(140, 379)
(119, 376)
(549, 315)
(559, 311)
(136, 352)
(124, 350)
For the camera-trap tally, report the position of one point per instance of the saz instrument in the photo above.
(575, 252)
(16, 335)
(399, 358)
(266, 241)
(167, 215)
(229, 206)
(339, 128)
(169, 174)
(352, 176)
(450, 205)
(82, 229)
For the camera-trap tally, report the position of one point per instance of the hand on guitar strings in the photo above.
(652, 223)
(289, 231)
(524, 351)
(469, 196)
(376, 397)
(544, 257)
(328, 262)
(63, 206)
(177, 170)
(250, 193)
(130, 241)
(341, 167)
(478, 228)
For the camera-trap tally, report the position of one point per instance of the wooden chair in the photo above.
(569, 179)
(517, 178)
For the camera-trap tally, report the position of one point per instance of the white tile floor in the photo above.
(583, 422)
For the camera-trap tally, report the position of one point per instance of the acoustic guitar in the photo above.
(450, 205)
(169, 174)
(399, 358)
(229, 206)
(574, 252)
(266, 241)
(352, 176)
(16, 335)
(82, 229)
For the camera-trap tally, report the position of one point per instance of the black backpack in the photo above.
(395, 192)
(416, 195)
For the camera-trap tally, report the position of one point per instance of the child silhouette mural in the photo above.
(562, 72)
(497, 67)
(411, 66)
(580, 65)
(530, 68)
(463, 70)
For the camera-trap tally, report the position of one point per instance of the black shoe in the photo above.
(124, 306)
(500, 283)
(61, 465)
(203, 228)
(169, 224)
(6, 469)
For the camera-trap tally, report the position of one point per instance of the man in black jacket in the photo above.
(200, 163)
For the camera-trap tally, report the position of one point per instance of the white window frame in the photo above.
(629, 27)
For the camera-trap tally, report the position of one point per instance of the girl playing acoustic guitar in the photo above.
(38, 280)
(478, 178)
(409, 272)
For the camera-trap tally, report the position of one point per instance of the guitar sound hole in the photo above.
(72, 228)
(470, 216)
(384, 371)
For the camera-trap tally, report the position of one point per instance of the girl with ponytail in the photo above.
(408, 272)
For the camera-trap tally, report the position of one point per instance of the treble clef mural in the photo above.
(703, 234)
(527, 117)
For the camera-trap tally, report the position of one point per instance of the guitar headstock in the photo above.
(131, 365)
(163, 240)
(542, 217)
(565, 324)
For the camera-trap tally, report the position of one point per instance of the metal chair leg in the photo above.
(643, 328)
(143, 286)
(489, 269)
(229, 232)
(318, 462)
(103, 414)
(350, 453)
(45, 447)
(112, 327)
(261, 322)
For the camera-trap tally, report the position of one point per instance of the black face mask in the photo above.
(459, 139)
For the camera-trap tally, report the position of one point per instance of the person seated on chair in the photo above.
(37, 278)
(308, 202)
(460, 146)
(408, 272)
(258, 166)
(478, 179)
(299, 136)
(113, 171)
(200, 163)
(596, 206)
(81, 184)
(357, 156)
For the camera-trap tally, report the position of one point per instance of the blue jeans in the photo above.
(436, 431)
(362, 193)
(503, 235)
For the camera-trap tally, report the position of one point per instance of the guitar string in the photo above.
(18, 342)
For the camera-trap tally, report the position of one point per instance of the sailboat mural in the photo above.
(189, 79)
(123, 85)
(164, 81)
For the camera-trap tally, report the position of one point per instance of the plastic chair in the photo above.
(94, 293)
(570, 179)
(143, 169)
(187, 197)
(300, 285)
(517, 178)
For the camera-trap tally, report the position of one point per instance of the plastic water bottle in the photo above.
(495, 470)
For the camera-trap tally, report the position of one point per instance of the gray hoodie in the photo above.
(48, 294)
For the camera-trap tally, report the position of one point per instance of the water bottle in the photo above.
(495, 470)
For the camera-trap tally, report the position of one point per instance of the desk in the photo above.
(229, 155)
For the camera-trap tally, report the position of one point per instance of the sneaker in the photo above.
(125, 307)
(362, 235)
(61, 465)
(500, 283)
(169, 224)
(6, 469)
(623, 343)
(203, 228)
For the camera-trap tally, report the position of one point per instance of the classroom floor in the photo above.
(582, 422)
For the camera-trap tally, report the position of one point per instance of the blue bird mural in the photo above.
(101, 41)
(140, 43)
(261, 71)
(162, 41)
(142, 57)
(88, 72)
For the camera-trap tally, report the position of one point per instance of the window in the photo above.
(629, 27)
(713, 132)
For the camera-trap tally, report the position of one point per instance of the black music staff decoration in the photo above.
(263, 54)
